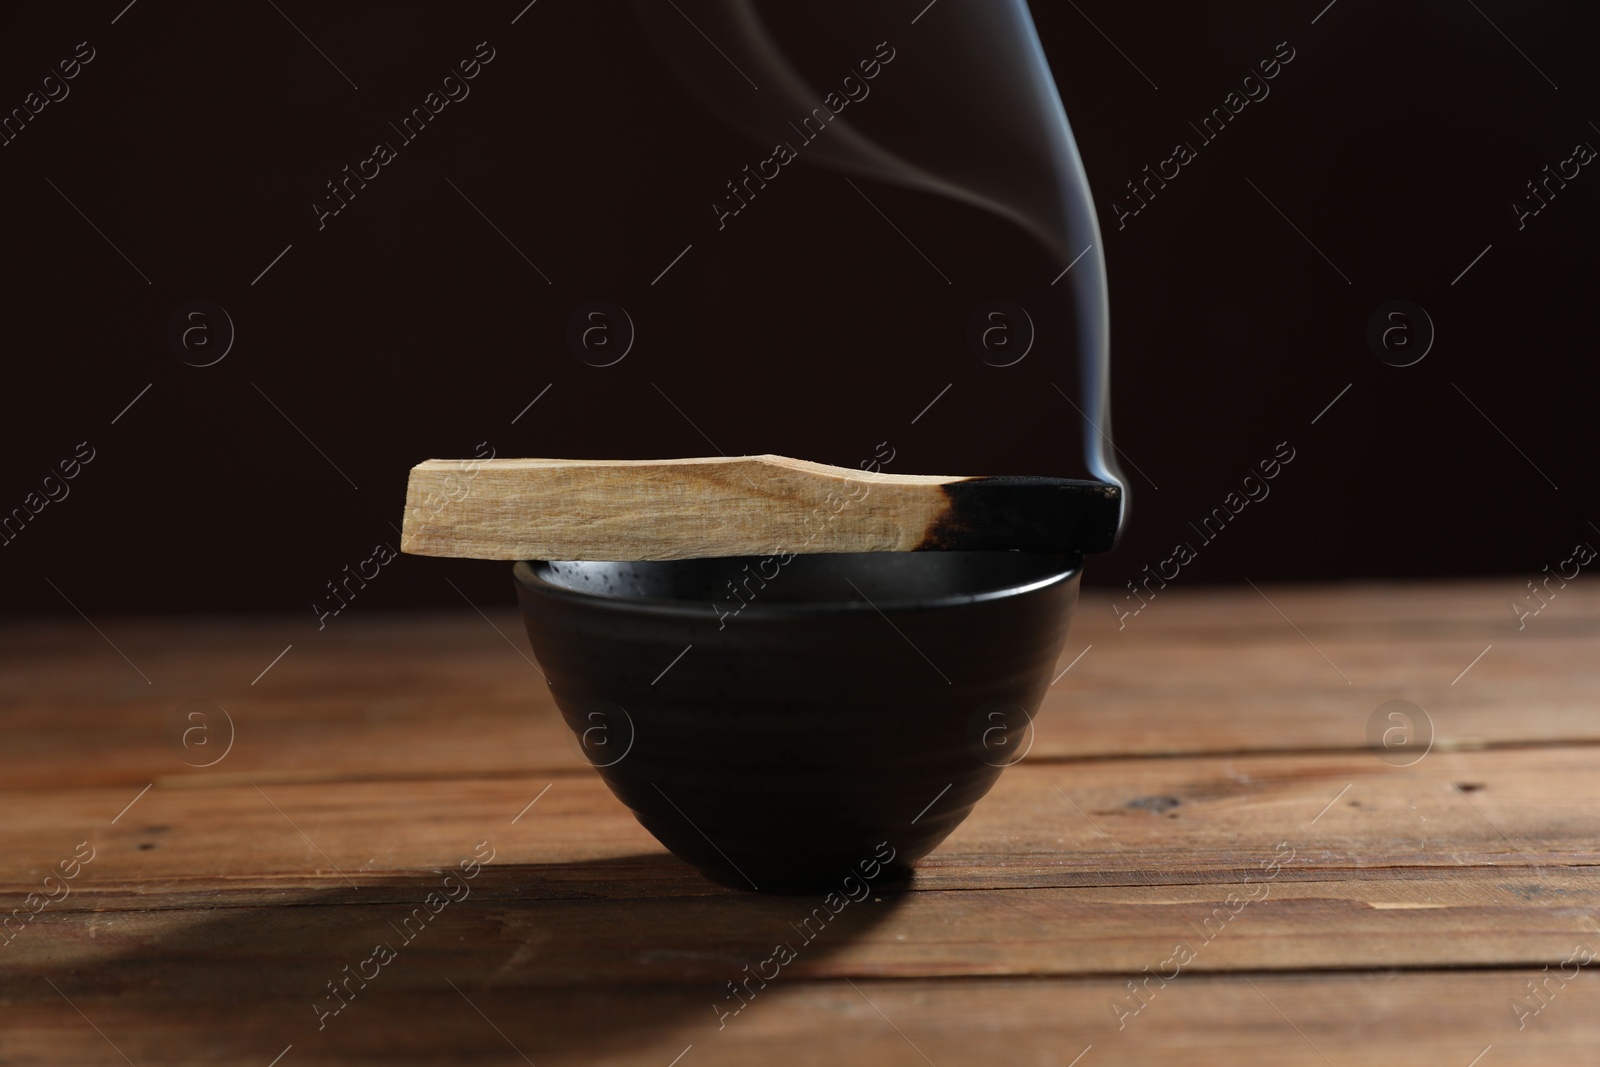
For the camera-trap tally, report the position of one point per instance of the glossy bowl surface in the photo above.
(786, 724)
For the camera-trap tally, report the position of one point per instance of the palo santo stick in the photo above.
(568, 509)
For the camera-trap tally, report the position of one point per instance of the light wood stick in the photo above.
(734, 506)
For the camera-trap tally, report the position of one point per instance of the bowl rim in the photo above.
(526, 577)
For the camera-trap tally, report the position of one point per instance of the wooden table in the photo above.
(1216, 745)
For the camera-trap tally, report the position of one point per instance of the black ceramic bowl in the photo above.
(782, 726)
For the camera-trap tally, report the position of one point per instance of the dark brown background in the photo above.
(199, 136)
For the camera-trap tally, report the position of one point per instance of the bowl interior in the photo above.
(825, 580)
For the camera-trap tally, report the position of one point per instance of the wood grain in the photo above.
(1186, 752)
(1406, 1019)
(1193, 821)
(514, 509)
(373, 696)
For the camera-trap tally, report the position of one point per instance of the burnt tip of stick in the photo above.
(1026, 513)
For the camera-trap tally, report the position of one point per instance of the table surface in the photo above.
(1200, 861)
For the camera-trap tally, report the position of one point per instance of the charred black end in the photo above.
(1030, 514)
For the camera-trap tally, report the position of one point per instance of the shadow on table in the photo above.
(579, 962)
